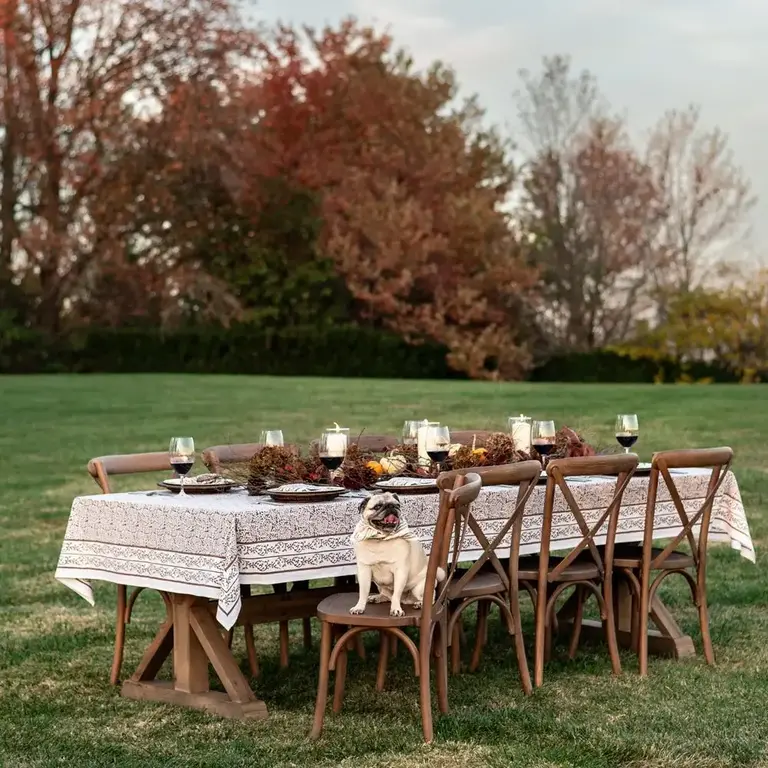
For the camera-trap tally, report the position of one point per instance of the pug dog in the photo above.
(389, 554)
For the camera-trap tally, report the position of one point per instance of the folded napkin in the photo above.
(401, 482)
(304, 488)
(206, 479)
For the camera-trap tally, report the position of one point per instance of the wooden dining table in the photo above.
(200, 551)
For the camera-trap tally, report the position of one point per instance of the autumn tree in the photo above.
(411, 188)
(589, 211)
(76, 77)
(727, 326)
(706, 197)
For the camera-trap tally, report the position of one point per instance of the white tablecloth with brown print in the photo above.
(210, 545)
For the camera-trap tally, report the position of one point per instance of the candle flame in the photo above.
(338, 428)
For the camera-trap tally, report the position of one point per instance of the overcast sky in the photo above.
(648, 55)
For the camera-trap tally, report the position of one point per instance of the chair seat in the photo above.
(335, 610)
(482, 583)
(582, 569)
(630, 556)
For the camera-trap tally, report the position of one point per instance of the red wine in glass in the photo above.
(626, 441)
(438, 456)
(182, 467)
(543, 448)
(332, 463)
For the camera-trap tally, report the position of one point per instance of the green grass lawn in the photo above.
(57, 708)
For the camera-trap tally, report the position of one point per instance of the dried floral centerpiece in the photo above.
(276, 465)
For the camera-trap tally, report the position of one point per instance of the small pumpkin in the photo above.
(376, 467)
(393, 464)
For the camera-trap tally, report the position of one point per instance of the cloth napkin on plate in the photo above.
(303, 488)
(400, 482)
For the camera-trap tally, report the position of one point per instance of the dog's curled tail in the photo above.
(440, 575)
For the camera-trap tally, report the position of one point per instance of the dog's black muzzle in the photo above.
(388, 516)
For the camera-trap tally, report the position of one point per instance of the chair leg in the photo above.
(634, 630)
(281, 589)
(456, 649)
(381, 672)
(482, 622)
(230, 637)
(284, 644)
(540, 639)
(339, 681)
(642, 621)
(322, 683)
(609, 625)
(706, 640)
(307, 634)
(522, 661)
(441, 666)
(117, 657)
(548, 632)
(425, 694)
(250, 647)
(577, 621)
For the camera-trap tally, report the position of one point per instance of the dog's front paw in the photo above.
(356, 610)
(396, 612)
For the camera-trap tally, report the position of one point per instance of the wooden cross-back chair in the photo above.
(431, 618)
(218, 456)
(587, 566)
(489, 581)
(470, 436)
(667, 560)
(372, 443)
(101, 469)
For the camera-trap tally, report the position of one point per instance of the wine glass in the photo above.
(272, 437)
(627, 430)
(181, 453)
(438, 443)
(543, 437)
(333, 448)
(411, 432)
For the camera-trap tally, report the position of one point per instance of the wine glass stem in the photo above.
(181, 489)
(626, 450)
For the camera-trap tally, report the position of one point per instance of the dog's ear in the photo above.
(396, 497)
(363, 505)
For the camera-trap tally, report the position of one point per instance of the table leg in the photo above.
(666, 640)
(193, 635)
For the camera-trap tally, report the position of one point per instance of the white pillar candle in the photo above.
(421, 441)
(521, 433)
(336, 443)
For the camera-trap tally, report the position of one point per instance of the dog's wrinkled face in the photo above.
(382, 511)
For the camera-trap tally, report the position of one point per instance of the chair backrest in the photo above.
(219, 455)
(525, 475)
(451, 525)
(470, 436)
(719, 460)
(372, 443)
(376, 443)
(102, 467)
(558, 471)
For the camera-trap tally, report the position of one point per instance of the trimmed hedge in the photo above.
(341, 351)
(610, 367)
(349, 351)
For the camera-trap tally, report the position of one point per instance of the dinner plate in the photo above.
(408, 485)
(305, 493)
(224, 485)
